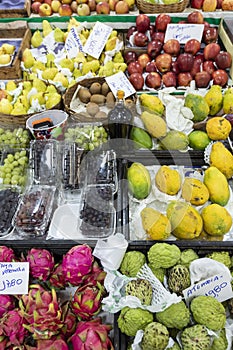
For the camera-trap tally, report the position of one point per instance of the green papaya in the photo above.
(141, 137)
(174, 140)
(217, 185)
(139, 180)
(198, 106)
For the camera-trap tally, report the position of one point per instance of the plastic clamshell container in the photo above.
(97, 213)
(34, 210)
(9, 199)
(13, 135)
(43, 162)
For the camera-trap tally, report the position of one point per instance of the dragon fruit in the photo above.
(92, 335)
(77, 263)
(6, 254)
(12, 326)
(69, 320)
(7, 303)
(57, 344)
(87, 301)
(41, 310)
(41, 263)
(57, 279)
(97, 274)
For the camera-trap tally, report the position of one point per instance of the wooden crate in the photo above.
(15, 30)
(17, 11)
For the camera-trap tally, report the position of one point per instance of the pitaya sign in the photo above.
(14, 277)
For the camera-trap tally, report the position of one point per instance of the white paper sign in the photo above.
(119, 81)
(184, 31)
(14, 277)
(97, 40)
(217, 286)
(73, 43)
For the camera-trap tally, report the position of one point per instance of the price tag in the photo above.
(73, 43)
(97, 40)
(217, 286)
(14, 277)
(119, 81)
(184, 31)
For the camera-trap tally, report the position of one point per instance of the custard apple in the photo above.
(208, 311)
(163, 255)
(140, 288)
(187, 256)
(195, 338)
(178, 279)
(131, 320)
(222, 257)
(132, 263)
(155, 337)
(158, 272)
(220, 342)
(175, 316)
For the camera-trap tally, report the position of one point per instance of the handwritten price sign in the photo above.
(97, 40)
(73, 43)
(14, 277)
(184, 32)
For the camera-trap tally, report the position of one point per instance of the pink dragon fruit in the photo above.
(57, 344)
(87, 301)
(41, 310)
(92, 335)
(57, 279)
(77, 263)
(7, 303)
(12, 325)
(97, 274)
(69, 320)
(41, 263)
(6, 254)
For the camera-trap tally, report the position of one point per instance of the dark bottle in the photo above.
(120, 119)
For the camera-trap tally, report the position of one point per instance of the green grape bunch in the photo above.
(12, 172)
(17, 137)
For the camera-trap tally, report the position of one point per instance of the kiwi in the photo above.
(84, 95)
(101, 115)
(95, 88)
(110, 100)
(105, 89)
(92, 108)
(97, 98)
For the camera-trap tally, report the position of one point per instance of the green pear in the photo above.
(77, 73)
(50, 60)
(38, 66)
(28, 58)
(49, 73)
(18, 109)
(62, 79)
(5, 106)
(39, 96)
(10, 86)
(46, 28)
(5, 58)
(23, 99)
(50, 89)
(39, 85)
(67, 63)
(27, 85)
(8, 48)
(36, 39)
(80, 57)
(52, 100)
(58, 35)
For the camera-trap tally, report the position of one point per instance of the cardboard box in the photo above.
(19, 31)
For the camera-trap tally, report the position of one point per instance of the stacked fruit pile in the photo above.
(212, 5)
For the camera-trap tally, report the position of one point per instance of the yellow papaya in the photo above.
(152, 103)
(222, 158)
(155, 125)
(156, 225)
(194, 191)
(214, 98)
(216, 220)
(228, 101)
(168, 180)
(217, 185)
(139, 181)
(198, 106)
(218, 128)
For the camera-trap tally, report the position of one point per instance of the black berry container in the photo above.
(9, 199)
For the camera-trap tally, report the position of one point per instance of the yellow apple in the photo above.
(55, 5)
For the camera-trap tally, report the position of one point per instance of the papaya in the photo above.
(174, 140)
(141, 137)
(214, 98)
(216, 220)
(154, 124)
(228, 101)
(217, 185)
(186, 222)
(198, 106)
(194, 191)
(152, 104)
(168, 180)
(222, 158)
(139, 181)
(156, 225)
(218, 128)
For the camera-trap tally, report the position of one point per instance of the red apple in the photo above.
(130, 31)
(45, 10)
(185, 62)
(195, 17)
(92, 4)
(48, 2)
(202, 79)
(200, 57)
(102, 8)
(154, 48)
(163, 62)
(219, 4)
(197, 4)
(211, 51)
(142, 23)
(130, 56)
(134, 67)
(158, 35)
(209, 67)
(206, 25)
(175, 68)
(153, 80)
(161, 22)
(151, 29)
(220, 77)
(196, 66)
(223, 60)
(143, 59)
(210, 35)
(184, 79)
(172, 46)
(35, 7)
(137, 81)
(65, 10)
(151, 67)
(192, 46)
(169, 79)
(140, 39)
(121, 7)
